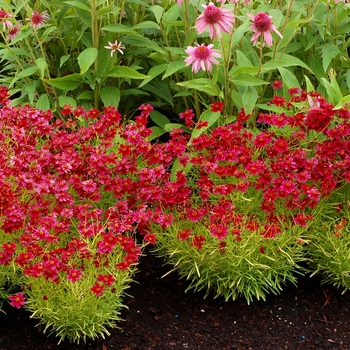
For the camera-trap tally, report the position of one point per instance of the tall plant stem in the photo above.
(95, 44)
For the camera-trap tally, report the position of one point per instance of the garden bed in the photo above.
(162, 316)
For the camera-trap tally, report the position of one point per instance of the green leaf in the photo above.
(158, 12)
(146, 25)
(66, 100)
(342, 102)
(79, 4)
(110, 96)
(242, 59)
(30, 89)
(125, 72)
(173, 67)
(201, 84)
(288, 78)
(143, 42)
(42, 65)
(153, 72)
(64, 59)
(156, 132)
(170, 127)
(245, 79)
(27, 72)
(333, 93)
(86, 95)
(249, 99)
(133, 92)
(160, 119)
(329, 51)
(286, 61)
(309, 86)
(208, 116)
(87, 58)
(67, 83)
(119, 28)
(43, 103)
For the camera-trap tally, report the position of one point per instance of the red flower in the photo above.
(151, 238)
(217, 106)
(278, 101)
(277, 84)
(106, 279)
(74, 274)
(198, 242)
(97, 289)
(17, 300)
(184, 234)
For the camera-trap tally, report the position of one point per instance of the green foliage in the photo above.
(66, 56)
(240, 269)
(329, 247)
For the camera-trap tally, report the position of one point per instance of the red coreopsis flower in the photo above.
(74, 275)
(218, 230)
(217, 106)
(184, 234)
(108, 280)
(151, 238)
(17, 300)
(278, 101)
(277, 84)
(198, 242)
(202, 124)
(302, 219)
(66, 110)
(97, 289)
(145, 109)
(188, 116)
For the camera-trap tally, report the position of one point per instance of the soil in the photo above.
(162, 317)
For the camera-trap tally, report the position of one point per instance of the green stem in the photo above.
(95, 44)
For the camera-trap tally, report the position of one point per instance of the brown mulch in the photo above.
(162, 317)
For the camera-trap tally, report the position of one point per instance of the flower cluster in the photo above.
(218, 20)
(251, 190)
(72, 196)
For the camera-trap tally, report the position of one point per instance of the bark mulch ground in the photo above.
(162, 317)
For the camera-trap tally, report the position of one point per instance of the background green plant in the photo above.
(65, 61)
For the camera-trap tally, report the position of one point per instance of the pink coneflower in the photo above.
(13, 32)
(202, 56)
(5, 22)
(115, 47)
(263, 25)
(38, 19)
(218, 19)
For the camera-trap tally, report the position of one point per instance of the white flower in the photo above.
(115, 47)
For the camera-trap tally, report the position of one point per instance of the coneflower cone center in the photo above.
(202, 53)
(212, 15)
(262, 22)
